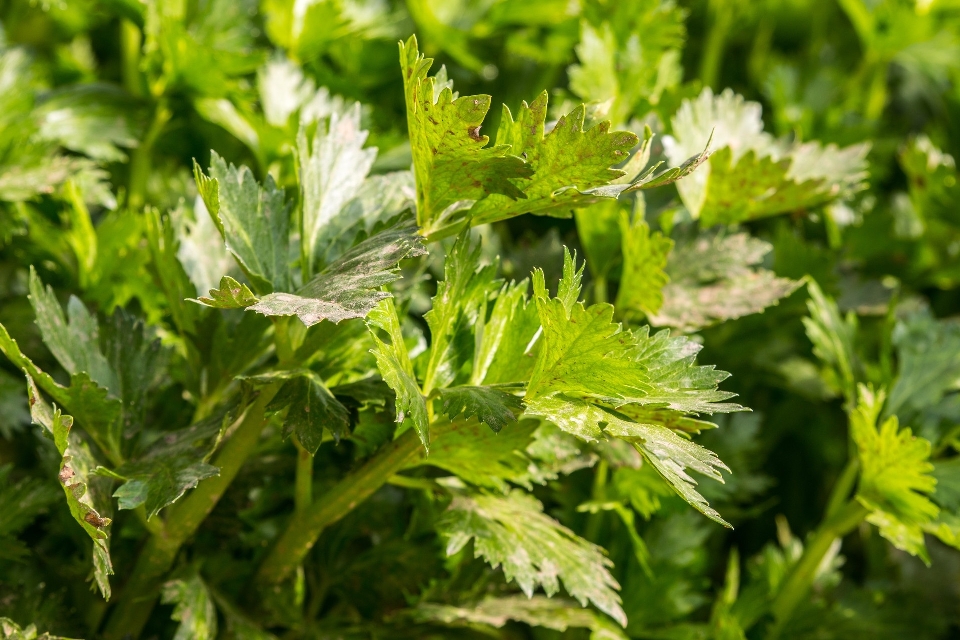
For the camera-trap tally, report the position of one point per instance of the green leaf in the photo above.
(928, 353)
(167, 268)
(350, 286)
(494, 406)
(753, 175)
(128, 367)
(136, 356)
(230, 295)
(87, 496)
(630, 57)
(833, 341)
(458, 306)
(575, 340)
(74, 339)
(333, 166)
(714, 278)
(21, 502)
(504, 352)
(201, 250)
(568, 163)
(669, 453)
(393, 361)
(594, 380)
(895, 476)
(254, 221)
(310, 407)
(482, 457)
(175, 462)
(550, 613)
(451, 160)
(88, 402)
(599, 232)
(93, 119)
(194, 608)
(585, 353)
(10, 630)
(534, 550)
(645, 256)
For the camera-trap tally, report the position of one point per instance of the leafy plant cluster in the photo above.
(304, 340)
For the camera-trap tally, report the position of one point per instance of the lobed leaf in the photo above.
(254, 221)
(452, 163)
(534, 550)
(494, 406)
(393, 361)
(714, 278)
(350, 286)
(194, 608)
(895, 476)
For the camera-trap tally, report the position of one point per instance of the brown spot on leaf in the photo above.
(474, 132)
(92, 518)
(65, 474)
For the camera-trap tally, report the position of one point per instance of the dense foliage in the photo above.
(303, 339)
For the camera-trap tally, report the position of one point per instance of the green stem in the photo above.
(798, 582)
(183, 518)
(304, 528)
(595, 520)
(303, 491)
(130, 42)
(140, 160)
(720, 13)
(600, 289)
(843, 488)
(877, 93)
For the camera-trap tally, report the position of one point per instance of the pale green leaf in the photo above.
(714, 277)
(201, 251)
(254, 221)
(833, 338)
(534, 550)
(670, 454)
(283, 90)
(645, 257)
(482, 457)
(551, 613)
(752, 174)
(93, 119)
(350, 286)
(194, 608)
(333, 167)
